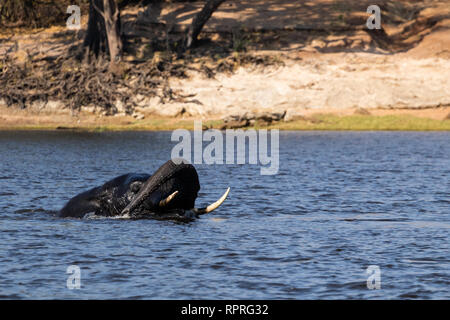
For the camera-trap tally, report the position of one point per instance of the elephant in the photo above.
(168, 194)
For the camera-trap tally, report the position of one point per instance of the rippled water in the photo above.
(342, 201)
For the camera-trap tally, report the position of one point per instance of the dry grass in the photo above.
(314, 122)
(367, 123)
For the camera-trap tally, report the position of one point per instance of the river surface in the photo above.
(341, 202)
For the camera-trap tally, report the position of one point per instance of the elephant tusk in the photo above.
(212, 206)
(167, 200)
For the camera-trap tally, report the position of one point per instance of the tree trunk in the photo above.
(200, 20)
(103, 33)
(112, 23)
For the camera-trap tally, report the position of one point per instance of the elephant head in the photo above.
(170, 193)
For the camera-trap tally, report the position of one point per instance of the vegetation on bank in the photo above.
(86, 73)
(316, 122)
(96, 71)
(43, 13)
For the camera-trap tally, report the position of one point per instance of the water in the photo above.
(342, 201)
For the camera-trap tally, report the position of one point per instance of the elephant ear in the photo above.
(169, 178)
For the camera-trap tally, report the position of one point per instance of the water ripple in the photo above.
(342, 201)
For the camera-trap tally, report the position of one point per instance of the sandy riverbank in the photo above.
(333, 76)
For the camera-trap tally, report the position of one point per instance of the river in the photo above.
(340, 202)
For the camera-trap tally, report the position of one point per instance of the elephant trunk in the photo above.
(171, 186)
